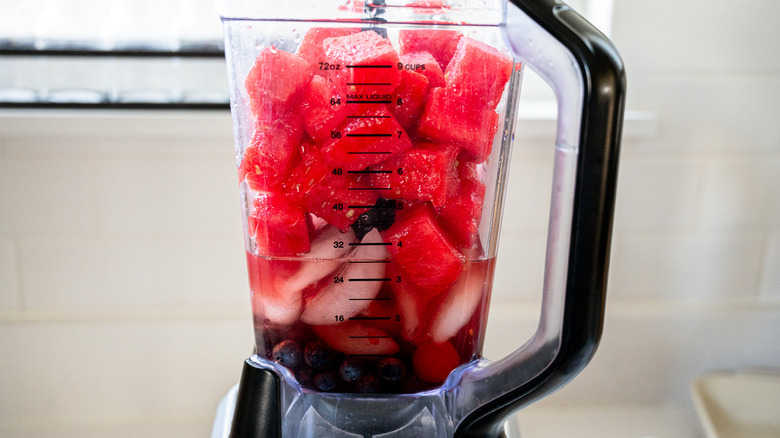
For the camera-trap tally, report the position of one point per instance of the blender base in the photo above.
(226, 407)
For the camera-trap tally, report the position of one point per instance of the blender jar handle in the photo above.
(588, 78)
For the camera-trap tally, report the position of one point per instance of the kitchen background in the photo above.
(124, 309)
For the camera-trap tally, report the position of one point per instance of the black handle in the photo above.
(257, 411)
(604, 82)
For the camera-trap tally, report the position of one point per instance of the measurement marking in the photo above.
(368, 117)
(369, 135)
(369, 101)
(370, 318)
(369, 83)
(370, 171)
(369, 279)
(369, 66)
(370, 188)
(369, 337)
(370, 244)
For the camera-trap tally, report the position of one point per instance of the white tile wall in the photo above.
(10, 297)
(122, 286)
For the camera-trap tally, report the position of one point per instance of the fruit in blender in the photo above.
(364, 173)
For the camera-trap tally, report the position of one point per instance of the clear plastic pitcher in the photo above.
(372, 143)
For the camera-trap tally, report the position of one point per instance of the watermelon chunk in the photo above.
(477, 73)
(438, 42)
(353, 337)
(276, 80)
(409, 94)
(312, 50)
(365, 62)
(419, 248)
(425, 172)
(278, 226)
(449, 119)
(425, 64)
(306, 171)
(270, 152)
(366, 139)
(340, 198)
(460, 216)
(320, 115)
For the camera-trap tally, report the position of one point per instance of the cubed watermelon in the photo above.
(426, 173)
(312, 50)
(409, 94)
(323, 109)
(477, 73)
(419, 248)
(278, 226)
(449, 119)
(366, 139)
(340, 198)
(308, 169)
(460, 216)
(270, 153)
(364, 62)
(276, 82)
(438, 42)
(425, 64)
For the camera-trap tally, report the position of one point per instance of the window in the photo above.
(137, 52)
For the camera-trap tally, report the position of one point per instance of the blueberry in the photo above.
(368, 383)
(380, 217)
(288, 353)
(391, 369)
(305, 376)
(325, 381)
(351, 369)
(317, 355)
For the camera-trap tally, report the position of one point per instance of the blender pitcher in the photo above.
(372, 143)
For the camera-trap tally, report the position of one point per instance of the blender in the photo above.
(373, 141)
